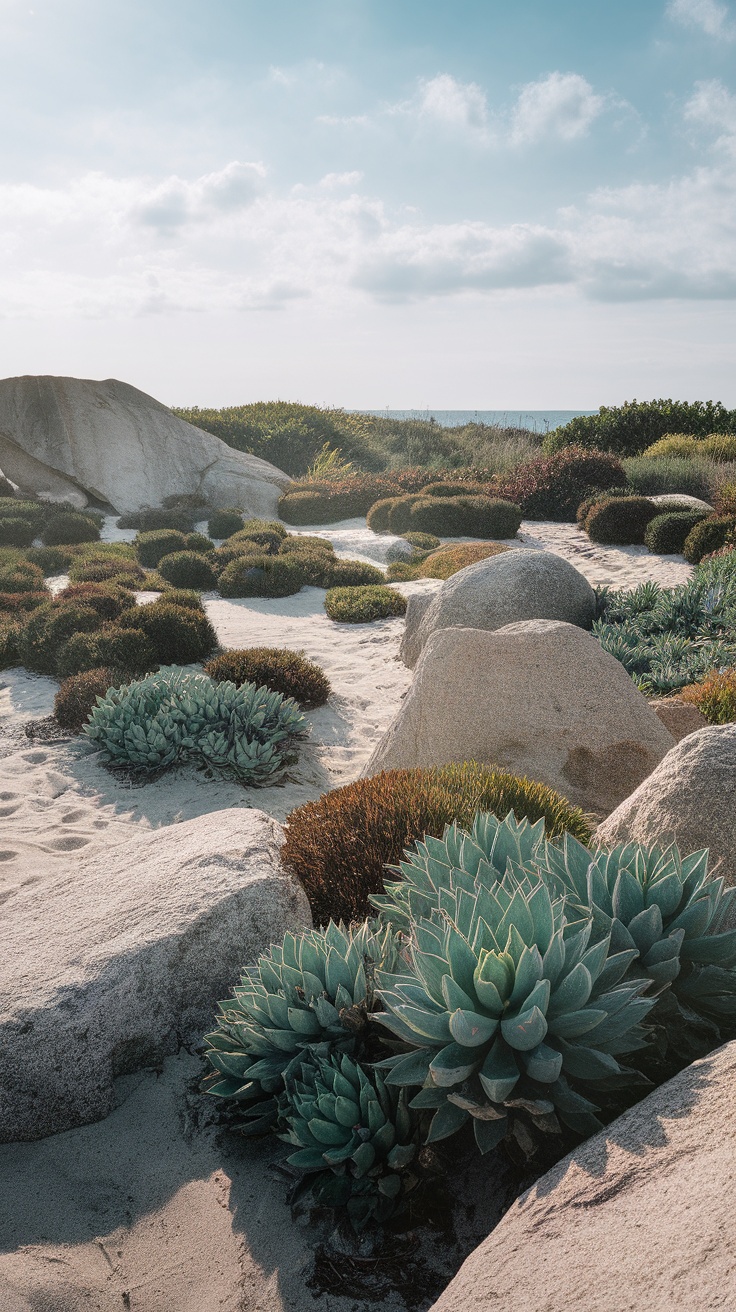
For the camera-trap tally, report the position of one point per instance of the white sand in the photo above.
(56, 799)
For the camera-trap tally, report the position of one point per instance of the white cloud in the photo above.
(714, 106)
(454, 104)
(175, 202)
(560, 105)
(713, 18)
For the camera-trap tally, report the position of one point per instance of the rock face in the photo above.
(109, 967)
(539, 698)
(417, 606)
(679, 717)
(640, 1216)
(73, 438)
(689, 799)
(504, 589)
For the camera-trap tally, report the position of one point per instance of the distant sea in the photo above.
(538, 421)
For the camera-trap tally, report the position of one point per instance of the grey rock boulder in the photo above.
(516, 585)
(540, 698)
(639, 1217)
(74, 438)
(679, 717)
(671, 499)
(690, 799)
(110, 966)
(416, 608)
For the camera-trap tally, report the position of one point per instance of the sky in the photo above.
(410, 204)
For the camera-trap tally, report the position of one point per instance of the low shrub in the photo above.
(267, 541)
(461, 516)
(708, 536)
(620, 521)
(15, 532)
(666, 534)
(670, 474)
(68, 528)
(124, 573)
(176, 716)
(48, 628)
(275, 668)
(10, 631)
(724, 501)
(223, 523)
(50, 560)
(552, 487)
(681, 445)
(262, 576)
(422, 541)
(186, 597)
(400, 513)
(378, 517)
(128, 650)
(719, 447)
(305, 542)
(449, 559)
(188, 569)
(596, 498)
(401, 571)
(361, 605)
(200, 543)
(264, 526)
(229, 550)
(179, 634)
(77, 696)
(351, 574)
(715, 696)
(151, 547)
(21, 577)
(108, 599)
(454, 490)
(18, 603)
(338, 847)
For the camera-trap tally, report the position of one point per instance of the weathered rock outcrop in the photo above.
(504, 589)
(690, 799)
(539, 698)
(106, 968)
(640, 1216)
(679, 717)
(76, 438)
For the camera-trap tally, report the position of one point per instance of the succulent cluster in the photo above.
(177, 715)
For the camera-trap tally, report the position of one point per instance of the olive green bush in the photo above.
(620, 520)
(276, 668)
(69, 527)
(709, 535)
(179, 635)
(223, 523)
(262, 576)
(465, 516)
(152, 546)
(188, 569)
(362, 605)
(47, 630)
(15, 532)
(78, 695)
(124, 649)
(666, 534)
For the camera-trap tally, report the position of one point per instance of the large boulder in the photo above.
(75, 438)
(539, 698)
(690, 799)
(679, 717)
(107, 967)
(640, 1216)
(675, 500)
(515, 585)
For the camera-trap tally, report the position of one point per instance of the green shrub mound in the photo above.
(422, 541)
(233, 551)
(199, 542)
(708, 536)
(223, 523)
(670, 474)
(180, 635)
(305, 543)
(267, 541)
(10, 631)
(50, 560)
(69, 528)
(275, 668)
(724, 500)
(667, 638)
(620, 521)
(552, 487)
(186, 597)
(315, 506)
(176, 716)
(108, 599)
(127, 650)
(379, 516)
(151, 547)
(666, 534)
(265, 526)
(462, 516)
(21, 576)
(114, 569)
(362, 605)
(78, 695)
(15, 532)
(338, 846)
(630, 428)
(596, 498)
(449, 489)
(188, 569)
(715, 696)
(47, 630)
(16, 603)
(352, 574)
(720, 447)
(262, 576)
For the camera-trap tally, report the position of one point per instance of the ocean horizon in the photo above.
(537, 421)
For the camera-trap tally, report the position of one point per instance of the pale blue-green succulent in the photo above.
(357, 1140)
(306, 997)
(179, 715)
(505, 1002)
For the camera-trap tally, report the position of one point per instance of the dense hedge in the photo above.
(347, 496)
(152, 546)
(15, 532)
(223, 523)
(128, 650)
(552, 487)
(630, 428)
(620, 520)
(708, 536)
(180, 635)
(460, 516)
(21, 576)
(276, 668)
(188, 569)
(68, 528)
(362, 605)
(108, 599)
(51, 560)
(339, 846)
(666, 534)
(48, 628)
(719, 447)
(352, 574)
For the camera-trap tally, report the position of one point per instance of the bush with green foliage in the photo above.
(338, 846)
(670, 474)
(48, 628)
(720, 447)
(200, 543)
(262, 576)
(176, 716)
(229, 551)
(379, 515)
(186, 597)
(15, 532)
(352, 574)
(305, 543)
(108, 599)
(125, 573)
(630, 428)
(669, 637)
(251, 526)
(180, 635)
(188, 569)
(77, 696)
(715, 696)
(223, 523)
(16, 603)
(724, 501)
(666, 534)
(68, 528)
(362, 605)
(50, 560)
(552, 487)
(620, 520)
(597, 499)
(422, 541)
(707, 536)
(151, 547)
(449, 489)
(267, 541)
(21, 576)
(275, 668)
(448, 560)
(10, 631)
(127, 650)
(461, 516)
